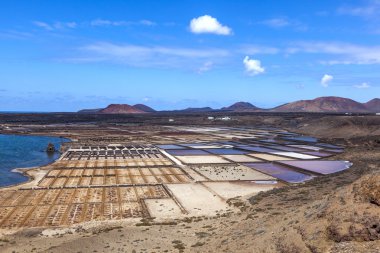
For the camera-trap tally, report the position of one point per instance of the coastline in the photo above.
(33, 173)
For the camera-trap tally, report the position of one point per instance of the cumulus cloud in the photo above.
(253, 67)
(208, 24)
(362, 86)
(326, 79)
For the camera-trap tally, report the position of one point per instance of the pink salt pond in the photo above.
(320, 167)
(281, 172)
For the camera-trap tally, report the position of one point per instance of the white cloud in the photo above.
(205, 67)
(257, 49)
(132, 50)
(349, 53)
(326, 79)
(208, 24)
(13, 34)
(63, 25)
(362, 86)
(105, 22)
(147, 22)
(372, 9)
(284, 22)
(43, 25)
(276, 22)
(155, 56)
(55, 26)
(253, 67)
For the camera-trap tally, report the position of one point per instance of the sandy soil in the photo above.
(188, 196)
(228, 190)
(230, 173)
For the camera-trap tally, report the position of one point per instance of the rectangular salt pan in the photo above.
(258, 149)
(321, 167)
(205, 146)
(295, 155)
(226, 151)
(335, 150)
(306, 147)
(301, 138)
(202, 159)
(241, 158)
(185, 152)
(280, 171)
(327, 145)
(268, 157)
(285, 148)
(170, 146)
(317, 153)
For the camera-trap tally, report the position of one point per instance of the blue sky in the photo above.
(69, 55)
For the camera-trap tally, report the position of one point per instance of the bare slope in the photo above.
(373, 105)
(241, 107)
(323, 104)
(125, 108)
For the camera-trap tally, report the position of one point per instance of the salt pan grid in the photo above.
(60, 207)
(255, 145)
(57, 178)
(112, 181)
(157, 160)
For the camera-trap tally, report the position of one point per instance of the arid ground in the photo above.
(334, 213)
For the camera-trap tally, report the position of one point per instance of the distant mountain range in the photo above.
(321, 104)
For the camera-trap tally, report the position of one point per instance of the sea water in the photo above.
(17, 151)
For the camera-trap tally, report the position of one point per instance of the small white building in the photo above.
(171, 120)
(378, 113)
(210, 118)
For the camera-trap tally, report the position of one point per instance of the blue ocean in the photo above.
(17, 151)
